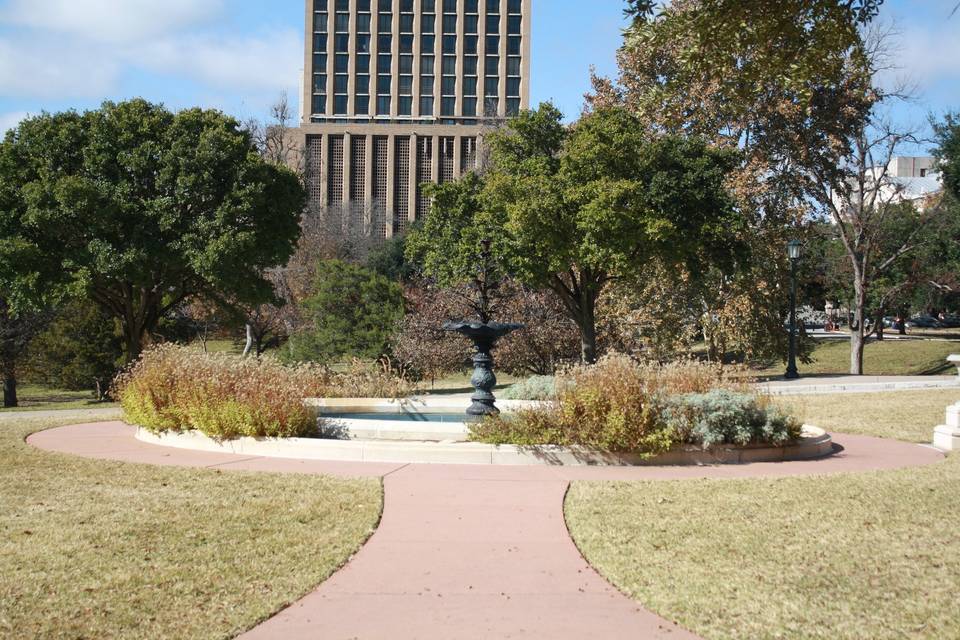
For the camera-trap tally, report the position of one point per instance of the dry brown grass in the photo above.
(901, 415)
(94, 549)
(845, 557)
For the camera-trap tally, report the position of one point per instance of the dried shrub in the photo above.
(419, 343)
(178, 389)
(360, 380)
(550, 340)
(622, 405)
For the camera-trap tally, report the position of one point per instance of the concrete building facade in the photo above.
(397, 93)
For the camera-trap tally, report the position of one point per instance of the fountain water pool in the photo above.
(429, 419)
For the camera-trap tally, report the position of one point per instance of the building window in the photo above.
(448, 106)
(362, 105)
(319, 106)
(312, 163)
(320, 22)
(380, 145)
(335, 166)
(424, 174)
(468, 154)
(401, 185)
(446, 159)
(358, 168)
(427, 64)
(426, 106)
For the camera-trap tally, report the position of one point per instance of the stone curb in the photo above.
(814, 444)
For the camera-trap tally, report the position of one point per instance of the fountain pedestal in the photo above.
(484, 380)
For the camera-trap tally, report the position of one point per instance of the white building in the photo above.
(904, 179)
(911, 179)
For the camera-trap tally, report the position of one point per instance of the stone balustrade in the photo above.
(947, 436)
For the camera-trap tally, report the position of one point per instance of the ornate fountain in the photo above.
(484, 334)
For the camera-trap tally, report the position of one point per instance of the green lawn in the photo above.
(38, 398)
(94, 549)
(901, 415)
(886, 358)
(838, 557)
(460, 383)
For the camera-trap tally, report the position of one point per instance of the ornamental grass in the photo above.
(172, 388)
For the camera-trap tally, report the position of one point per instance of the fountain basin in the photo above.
(425, 419)
(814, 444)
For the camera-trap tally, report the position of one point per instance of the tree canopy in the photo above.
(141, 209)
(573, 209)
(352, 312)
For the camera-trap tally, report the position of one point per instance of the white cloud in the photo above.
(113, 21)
(931, 54)
(269, 61)
(31, 67)
(10, 120)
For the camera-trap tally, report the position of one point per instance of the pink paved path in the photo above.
(468, 551)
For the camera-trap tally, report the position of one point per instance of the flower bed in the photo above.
(224, 396)
(621, 406)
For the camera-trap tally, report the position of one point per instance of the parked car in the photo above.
(950, 322)
(924, 322)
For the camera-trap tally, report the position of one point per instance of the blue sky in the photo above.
(239, 55)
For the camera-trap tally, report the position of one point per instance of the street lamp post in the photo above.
(793, 252)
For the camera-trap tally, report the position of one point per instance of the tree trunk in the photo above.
(588, 330)
(133, 340)
(588, 344)
(902, 327)
(249, 344)
(880, 326)
(857, 330)
(9, 384)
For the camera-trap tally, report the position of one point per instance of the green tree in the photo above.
(141, 209)
(389, 260)
(351, 313)
(81, 350)
(948, 152)
(17, 330)
(788, 83)
(573, 210)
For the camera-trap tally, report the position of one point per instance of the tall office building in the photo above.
(398, 92)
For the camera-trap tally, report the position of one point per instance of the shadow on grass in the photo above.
(452, 391)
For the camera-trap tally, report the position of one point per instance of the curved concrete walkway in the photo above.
(468, 551)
